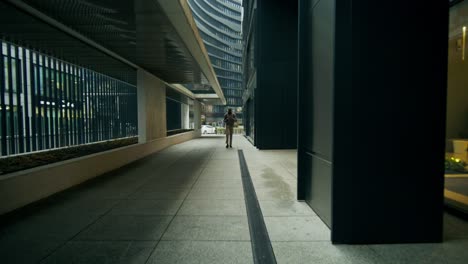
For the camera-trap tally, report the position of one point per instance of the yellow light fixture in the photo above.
(464, 43)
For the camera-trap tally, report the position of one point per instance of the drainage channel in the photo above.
(261, 244)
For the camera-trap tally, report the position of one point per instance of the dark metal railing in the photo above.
(47, 103)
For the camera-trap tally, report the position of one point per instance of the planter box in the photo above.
(24, 187)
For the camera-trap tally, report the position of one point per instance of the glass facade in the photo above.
(456, 155)
(250, 70)
(48, 103)
(179, 111)
(219, 23)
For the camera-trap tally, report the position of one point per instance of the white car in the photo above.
(206, 129)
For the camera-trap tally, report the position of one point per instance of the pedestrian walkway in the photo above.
(456, 191)
(186, 205)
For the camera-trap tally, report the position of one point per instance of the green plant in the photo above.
(454, 164)
(220, 130)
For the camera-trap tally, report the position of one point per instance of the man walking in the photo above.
(229, 120)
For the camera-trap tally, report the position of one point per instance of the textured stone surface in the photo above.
(208, 228)
(202, 252)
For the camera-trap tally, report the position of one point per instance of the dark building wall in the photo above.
(274, 93)
(316, 104)
(249, 66)
(376, 172)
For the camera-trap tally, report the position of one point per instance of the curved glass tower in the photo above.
(219, 23)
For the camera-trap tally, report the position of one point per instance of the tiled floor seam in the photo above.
(172, 219)
(78, 233)
(224, 215)
(168, 166)
(207, 240)
(296, 241)
(376, 252)
(283, 216)
(107, 212)
(114, 240)
(147, 180)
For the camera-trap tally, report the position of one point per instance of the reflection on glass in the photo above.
(456, 160)
(47, 103)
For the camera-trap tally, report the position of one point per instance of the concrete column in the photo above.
(185, 116)
(197, 116)
(151, 107)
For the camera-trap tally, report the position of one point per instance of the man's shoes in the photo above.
(227, 146)
(230, 146)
